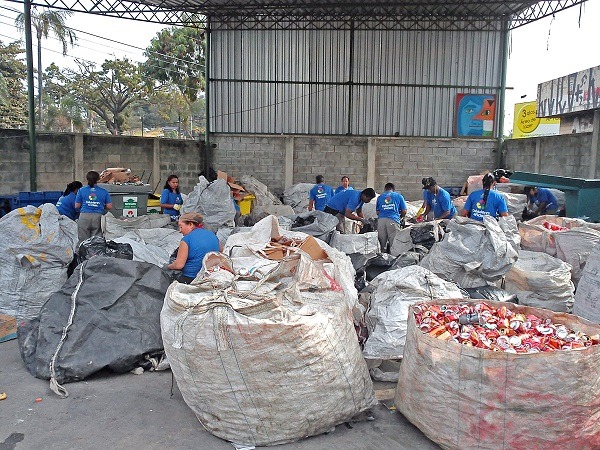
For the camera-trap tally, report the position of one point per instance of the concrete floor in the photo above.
(137, 411)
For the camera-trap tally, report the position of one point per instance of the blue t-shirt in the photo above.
(440, 203)
(349, 199)
(545, 195)
(342, 189)
(389, 205)
(494, 206)
(66, 206)
(93, 199)
(171, 198)
(320, 193)
(199, 242)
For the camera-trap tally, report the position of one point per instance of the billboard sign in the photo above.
(528, 124)
(579, 91)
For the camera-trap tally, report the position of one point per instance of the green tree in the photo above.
(62, 111)
(108, 92)
(44, 22)
(13, 97)
(176, 56)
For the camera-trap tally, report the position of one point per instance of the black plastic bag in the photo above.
(369, 227)
(115, 321)
(423, 235)
(98, 246)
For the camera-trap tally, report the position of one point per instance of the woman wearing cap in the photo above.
(436, 199)
(170, 199)
(485, 202)
(194, 245)
(93, 201)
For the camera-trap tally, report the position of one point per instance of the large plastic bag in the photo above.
(355, 243)
(109, 310)
(36, 246)
(214, 202)
(265, 352)
(475, 253)
(394, 292)
(315, 223)
(114, 227)
(419, 234)
(265, 203)
(541, 281)
(572, 245)
(296, 196)
(464, 397)
(587, 296)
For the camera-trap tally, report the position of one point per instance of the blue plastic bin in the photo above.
(38, 198)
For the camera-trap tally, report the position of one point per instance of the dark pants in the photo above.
(185, 280)
(339, 215)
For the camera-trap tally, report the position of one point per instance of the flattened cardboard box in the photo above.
(309, 245)
(8, 328)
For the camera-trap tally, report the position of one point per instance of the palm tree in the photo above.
(44, 22)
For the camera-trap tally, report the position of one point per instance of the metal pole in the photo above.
(502, 96)
(30, 97)
(142, 119)
(206, 98)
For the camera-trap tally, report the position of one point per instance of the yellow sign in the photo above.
(527, 124)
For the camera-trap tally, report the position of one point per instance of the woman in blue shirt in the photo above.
(437, 199)
(345, 186)
(196, 243)
(66, 202)
(171, 199)
(93, 201)
(485, 202)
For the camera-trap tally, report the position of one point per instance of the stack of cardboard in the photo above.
(280, 247)
(237, 191)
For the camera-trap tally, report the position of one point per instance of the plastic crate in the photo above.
(38, 198)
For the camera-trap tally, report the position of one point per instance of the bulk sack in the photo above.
(464, 397)
(265, 352)
(587, 296)
(36, 247)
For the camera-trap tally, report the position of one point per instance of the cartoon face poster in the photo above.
(475, 115)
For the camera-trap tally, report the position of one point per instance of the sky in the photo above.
(540, 51)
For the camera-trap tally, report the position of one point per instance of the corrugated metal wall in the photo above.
(339, 82)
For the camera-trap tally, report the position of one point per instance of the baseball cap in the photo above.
(191, 217)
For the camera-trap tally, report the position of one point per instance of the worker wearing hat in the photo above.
(194, 245)
(436, 199)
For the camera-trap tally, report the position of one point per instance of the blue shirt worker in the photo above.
(92, 201)
(543, 199)
(171, 199)
(437, 199)
(391, 208)
(66, 202)
(319, 195)
(345, 186)
(194, 245)
(349, 204)
(485, 202)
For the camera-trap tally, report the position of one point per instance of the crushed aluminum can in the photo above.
(470, 319)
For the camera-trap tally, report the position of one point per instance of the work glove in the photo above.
(176, 207)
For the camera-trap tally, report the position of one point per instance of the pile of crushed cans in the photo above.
(498, 329)
(553, 226)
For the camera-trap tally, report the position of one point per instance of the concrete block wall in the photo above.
(332, 157)
(63, 157)
(402, 161)
(406, 161)
(263, 157)
(566, 155)
(14, 161)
